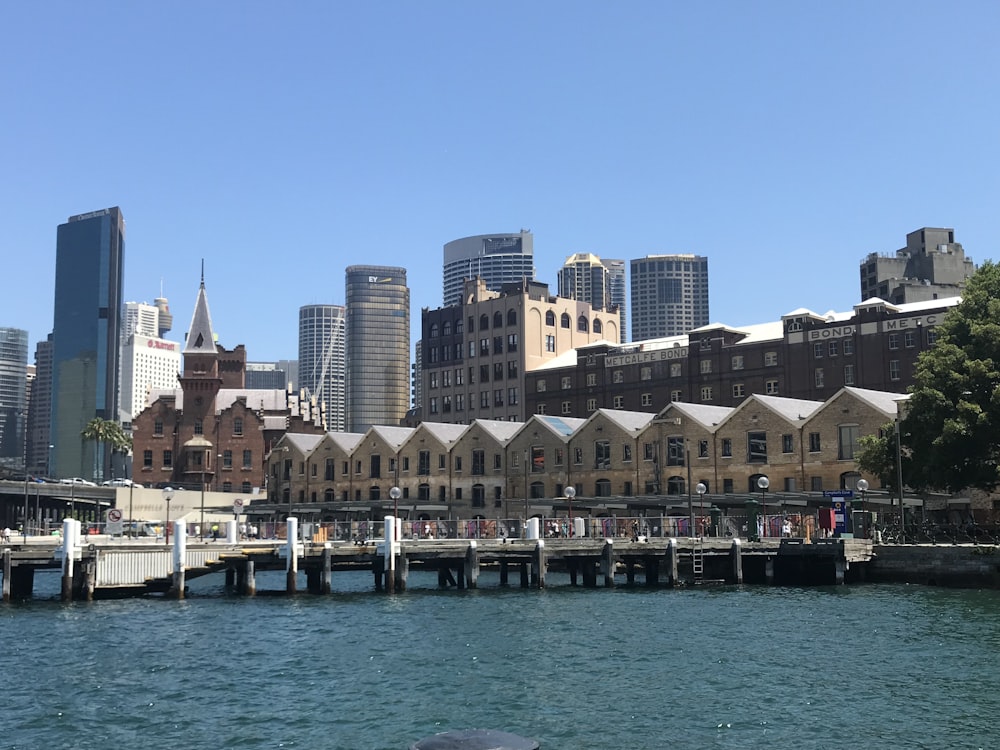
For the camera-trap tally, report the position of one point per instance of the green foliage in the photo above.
(952, 423)
(876, 455)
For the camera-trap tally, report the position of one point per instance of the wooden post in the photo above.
(504, 573)
(403, 571)
(472, 565)
(629, 571)
(651, 567)
(6, 574)
(769, 570)
(608, 563)
(672, 561)
(326, 583)
(840, 569)
(90, 576)
(737, 554)
(250, 585)
(525, 578)
(539, 564)
(292, 562)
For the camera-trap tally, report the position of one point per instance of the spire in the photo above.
(200, 338)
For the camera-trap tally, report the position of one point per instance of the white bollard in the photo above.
(292, 544)
(70, 531)
(230, 532)
(532, 528)
(180, 545)
(579, 526)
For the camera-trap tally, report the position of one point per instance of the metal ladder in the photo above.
(698, 561)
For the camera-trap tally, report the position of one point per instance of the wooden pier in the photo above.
(116, 567)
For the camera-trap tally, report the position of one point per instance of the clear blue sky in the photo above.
(283, 142)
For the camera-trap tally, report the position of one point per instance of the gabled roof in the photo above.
(303, 442)
(757, 332)
(200, 338)
(443, 432)
(630, 421)
(562, 426)
(270, 400)
(706, 415)
(499, 430)
(884, 401)
(793, 410)
(346, 441)
(566, 359)
(394, 436)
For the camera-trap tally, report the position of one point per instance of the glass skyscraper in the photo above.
(586, 278)
(13, 396)
(669, 295)
(378, 346)
(497, 259)
(86, 332)
(322, 356)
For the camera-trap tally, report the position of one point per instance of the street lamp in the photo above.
(570, 493)
(763, 483)
(395, 493)
(701, 489)
(863, 488)
(168, 495)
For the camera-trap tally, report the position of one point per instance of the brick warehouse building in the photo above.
(804, 355)
(212, 432)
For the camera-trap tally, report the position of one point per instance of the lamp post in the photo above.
(863, 488)
(570, 493)
(201, 527)
(168, 495)
(763, 483)
(701, 489)
(395, 493)
(131, 488)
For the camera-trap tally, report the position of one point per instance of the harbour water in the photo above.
(577, 669)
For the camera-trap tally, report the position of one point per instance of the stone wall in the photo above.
(956, 566)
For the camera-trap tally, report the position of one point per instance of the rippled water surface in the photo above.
(848, 667)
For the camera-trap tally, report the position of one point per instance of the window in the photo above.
(816, 484)
(578, 455)
(705, 344)
(786, 444)
(646, 373)
(582, 324)
(540, 409)
(498, 319)
(565, 408)
(617, 377)
(566, 383)
(442, 463)
(832, 349)
(158, 426)
(446, 328)
(675, 369)
(498, 370)
(433, 405)
(147, 459)
(789, 484)
(591, 404)
(598, 326)
(818, 350)
(540, 385)
(848, 374)
(424, 466)
(739, 390)
(550, 318)
(757, 447)
(848, 346)
(512, 342)
(497, 461)
(647, 399)
(199, 427)
(727, 486)
(559, 457)
(512, 396)
(626, 453)
(848, 441)
(498, 397)
(472, 349)
(771, 387)
(647, 452)
(814, 445)
(602, 454)
(238, 426)
(484, 347)
(893, 341)
(227, 459)
(770, 359)
(459, 372)
(602, 488)
(432, 380)
(168, 459)
(564, 320)
(893, 369)
(484, 373)
(550, 342)
(446, 404)
(591, 378)
(737, 361)
(458, 463)
(675, 395)
(434, 331)
(931, 336)
(818, 377)
(702, 449)
(619, 402)
(705, 366)
(706, 393)
(498, 344)
(446, 379)
(484, 399)
(512, 317)
(675, 451)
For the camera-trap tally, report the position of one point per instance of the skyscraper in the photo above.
(498, 259)
(931, 266)
(86, 334)
(322, 359)
(584, 277)
(149, 362)
(669, 295)
(378, 346)
(13, 396)
(40, 410)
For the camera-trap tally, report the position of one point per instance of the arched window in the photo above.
(582, 324)
(602, 488)
(537, 490)
(550, 318)
(675, 486)
(497, 319)
(446, 328)
(484, 322)
(424, 492)
(434, 331)
(374, 492)
(598, 326)
(478, 496)
(564, 320)
(512, 317)
(328, 495)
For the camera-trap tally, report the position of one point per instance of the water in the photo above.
(732, 667)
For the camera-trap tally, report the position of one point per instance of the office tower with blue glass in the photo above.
(86, 333)
(497, 259)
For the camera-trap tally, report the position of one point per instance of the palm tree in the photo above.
(109, 433)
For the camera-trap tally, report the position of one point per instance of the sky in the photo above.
(283, 142)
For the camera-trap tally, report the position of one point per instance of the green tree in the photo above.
(876, 455)
(108, 433)
(951, 428)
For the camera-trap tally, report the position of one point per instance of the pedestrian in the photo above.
(215, 531)
(786, 528)
(253, 531)
(6, 534)
(635, 531)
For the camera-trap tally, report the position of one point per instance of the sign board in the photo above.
(838, 493)
(238, 506)
(113, 522)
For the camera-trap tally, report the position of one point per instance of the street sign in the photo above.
(838, 493)
(238, 506)
(113, 522)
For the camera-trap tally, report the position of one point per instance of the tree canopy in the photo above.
(951, 428)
